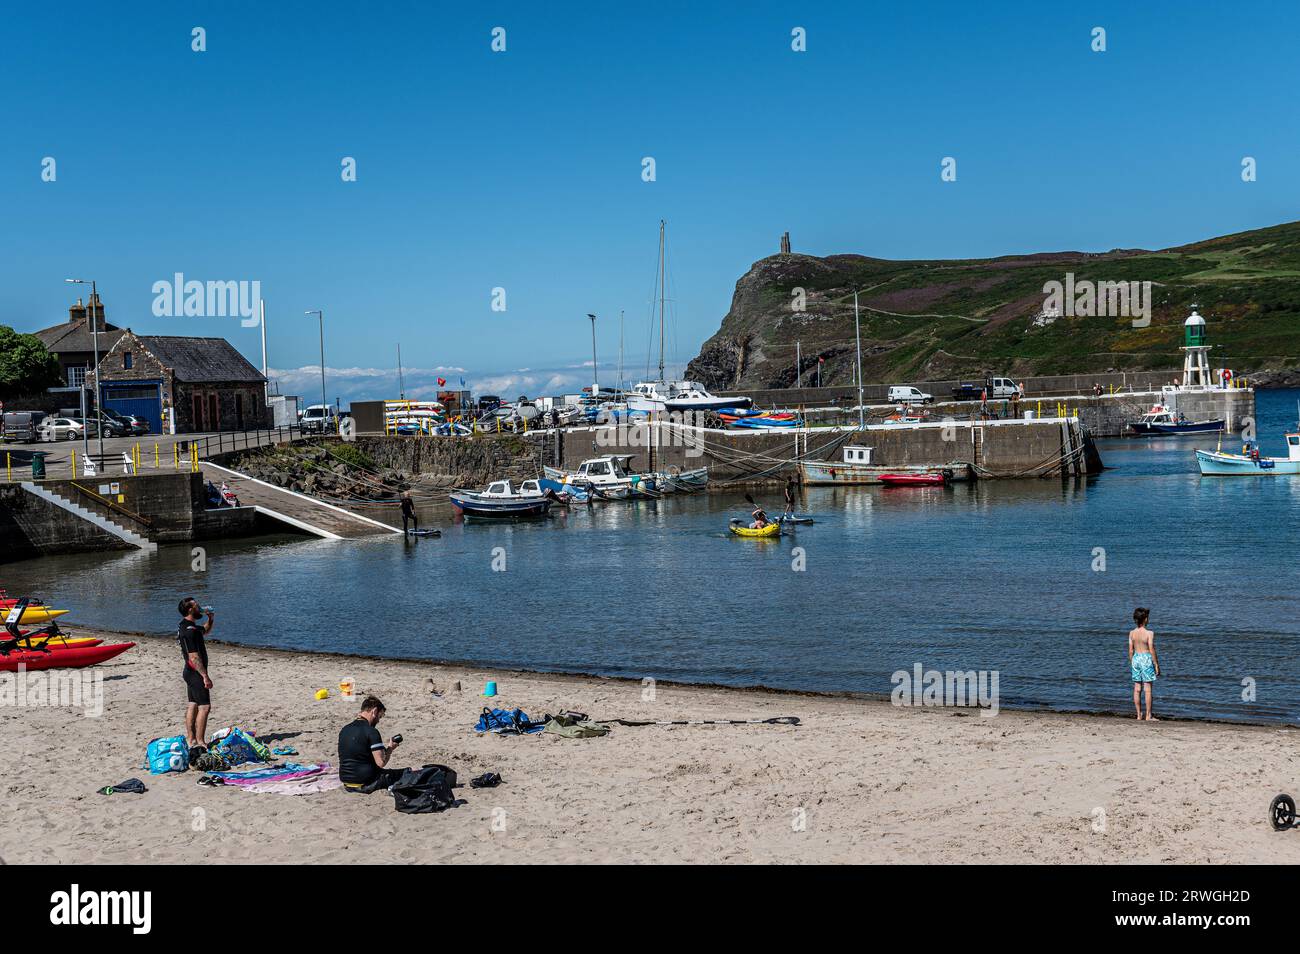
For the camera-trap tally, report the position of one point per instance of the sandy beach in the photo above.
(857, 781)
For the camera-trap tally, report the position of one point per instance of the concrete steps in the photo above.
(135, 539)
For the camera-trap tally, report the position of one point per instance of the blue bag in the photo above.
(167, 755)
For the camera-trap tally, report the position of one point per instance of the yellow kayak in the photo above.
(35, 615)
(771, 530)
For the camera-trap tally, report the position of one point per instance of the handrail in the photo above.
(116, 508)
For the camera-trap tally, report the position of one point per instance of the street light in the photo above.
(595, 387)
(324, 404)
(99, 407)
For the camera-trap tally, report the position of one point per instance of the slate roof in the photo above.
(200, 360)
(73, 337)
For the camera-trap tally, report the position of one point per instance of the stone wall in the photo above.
(457, 461)
(31, 527)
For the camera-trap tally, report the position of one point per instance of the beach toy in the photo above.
(322, 693)
(346, 687)
(490, 689)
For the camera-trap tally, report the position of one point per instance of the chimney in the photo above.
(77, 312)
(97, 309)
(785, 244)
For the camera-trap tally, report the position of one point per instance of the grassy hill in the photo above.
(933, 320)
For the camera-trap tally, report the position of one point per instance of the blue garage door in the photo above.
(142, 399)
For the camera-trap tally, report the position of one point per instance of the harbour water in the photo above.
(1035, 579)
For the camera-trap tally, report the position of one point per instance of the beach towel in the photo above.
(167, 755)
(575, 728)
(271, 773)
(506, 722)
(325, 781)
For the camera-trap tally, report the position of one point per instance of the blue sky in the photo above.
(522, 169)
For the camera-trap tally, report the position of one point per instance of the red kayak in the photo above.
(913, 480)
(58, 643)
(74, 657)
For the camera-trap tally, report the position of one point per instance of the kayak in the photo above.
(34, 615)
(74, 657)
(59, 644)
(913, 480)
(771, 530)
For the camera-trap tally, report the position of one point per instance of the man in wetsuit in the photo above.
(198, 684)
(409, 520)
(363, 754)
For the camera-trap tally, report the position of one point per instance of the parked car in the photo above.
(139, 426)
(115, 425)
(317, 419)
(906, 394)
(993, 387)
(22, 426)
(61, 429)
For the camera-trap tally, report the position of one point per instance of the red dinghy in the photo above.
(74, 657)
(913, 480)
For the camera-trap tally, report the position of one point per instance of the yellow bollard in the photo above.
(176, 457)
(74, 465)
(9, 471)
(155, 455)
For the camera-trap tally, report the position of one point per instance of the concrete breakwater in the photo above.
(1106, 415)
(996, 449)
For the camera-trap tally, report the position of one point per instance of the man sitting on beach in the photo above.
(1142, 662)
(198, 684)
(363, 754)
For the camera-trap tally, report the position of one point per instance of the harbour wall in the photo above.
(1053, 385)
(999, 449)
(1107, 415)
(166, 508)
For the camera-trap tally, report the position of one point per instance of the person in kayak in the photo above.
(408, 513)
(198, 684)
(363, 754)
(760, 519)
(1143, 665)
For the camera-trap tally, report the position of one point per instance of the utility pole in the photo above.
(857, 327)
(798, 364)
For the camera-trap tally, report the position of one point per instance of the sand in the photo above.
(858, 781)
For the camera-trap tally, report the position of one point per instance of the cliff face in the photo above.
(929, 320)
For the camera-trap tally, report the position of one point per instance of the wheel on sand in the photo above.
(1282, 812)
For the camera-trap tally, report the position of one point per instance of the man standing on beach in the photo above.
(363, 754)
(1142, 662)
(198, 684)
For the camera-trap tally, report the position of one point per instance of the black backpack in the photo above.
(423, 790)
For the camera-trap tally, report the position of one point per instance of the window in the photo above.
(77, 376)
(126, 360)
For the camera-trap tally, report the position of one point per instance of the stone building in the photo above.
(184, 384)
(73, 344)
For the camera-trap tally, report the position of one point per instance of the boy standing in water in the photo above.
(1142, 661)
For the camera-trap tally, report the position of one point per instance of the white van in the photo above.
(906, 394)
(1002, 387)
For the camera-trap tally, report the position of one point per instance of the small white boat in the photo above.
(679, 396)
(503, 499)
(1250, 464)
(607, 478)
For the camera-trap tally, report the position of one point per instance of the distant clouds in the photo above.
(374, 384)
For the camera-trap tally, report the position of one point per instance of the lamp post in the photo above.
(324, 404)
(857, 330)
(595, 387)
(94, 338)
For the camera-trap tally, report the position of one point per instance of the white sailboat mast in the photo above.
(663, 269)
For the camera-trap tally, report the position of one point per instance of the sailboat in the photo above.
(655, 397)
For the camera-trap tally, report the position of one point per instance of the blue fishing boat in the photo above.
(501, 499)
(1161, 420)
(1250, 463)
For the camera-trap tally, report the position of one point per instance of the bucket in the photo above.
(346, 687)
(1029, 415)
(490, 689)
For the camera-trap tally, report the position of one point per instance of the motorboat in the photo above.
(1161, 420)
(607, 478)
(856, 467)
(1251, 463)
(503, 499)
(676, 397)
